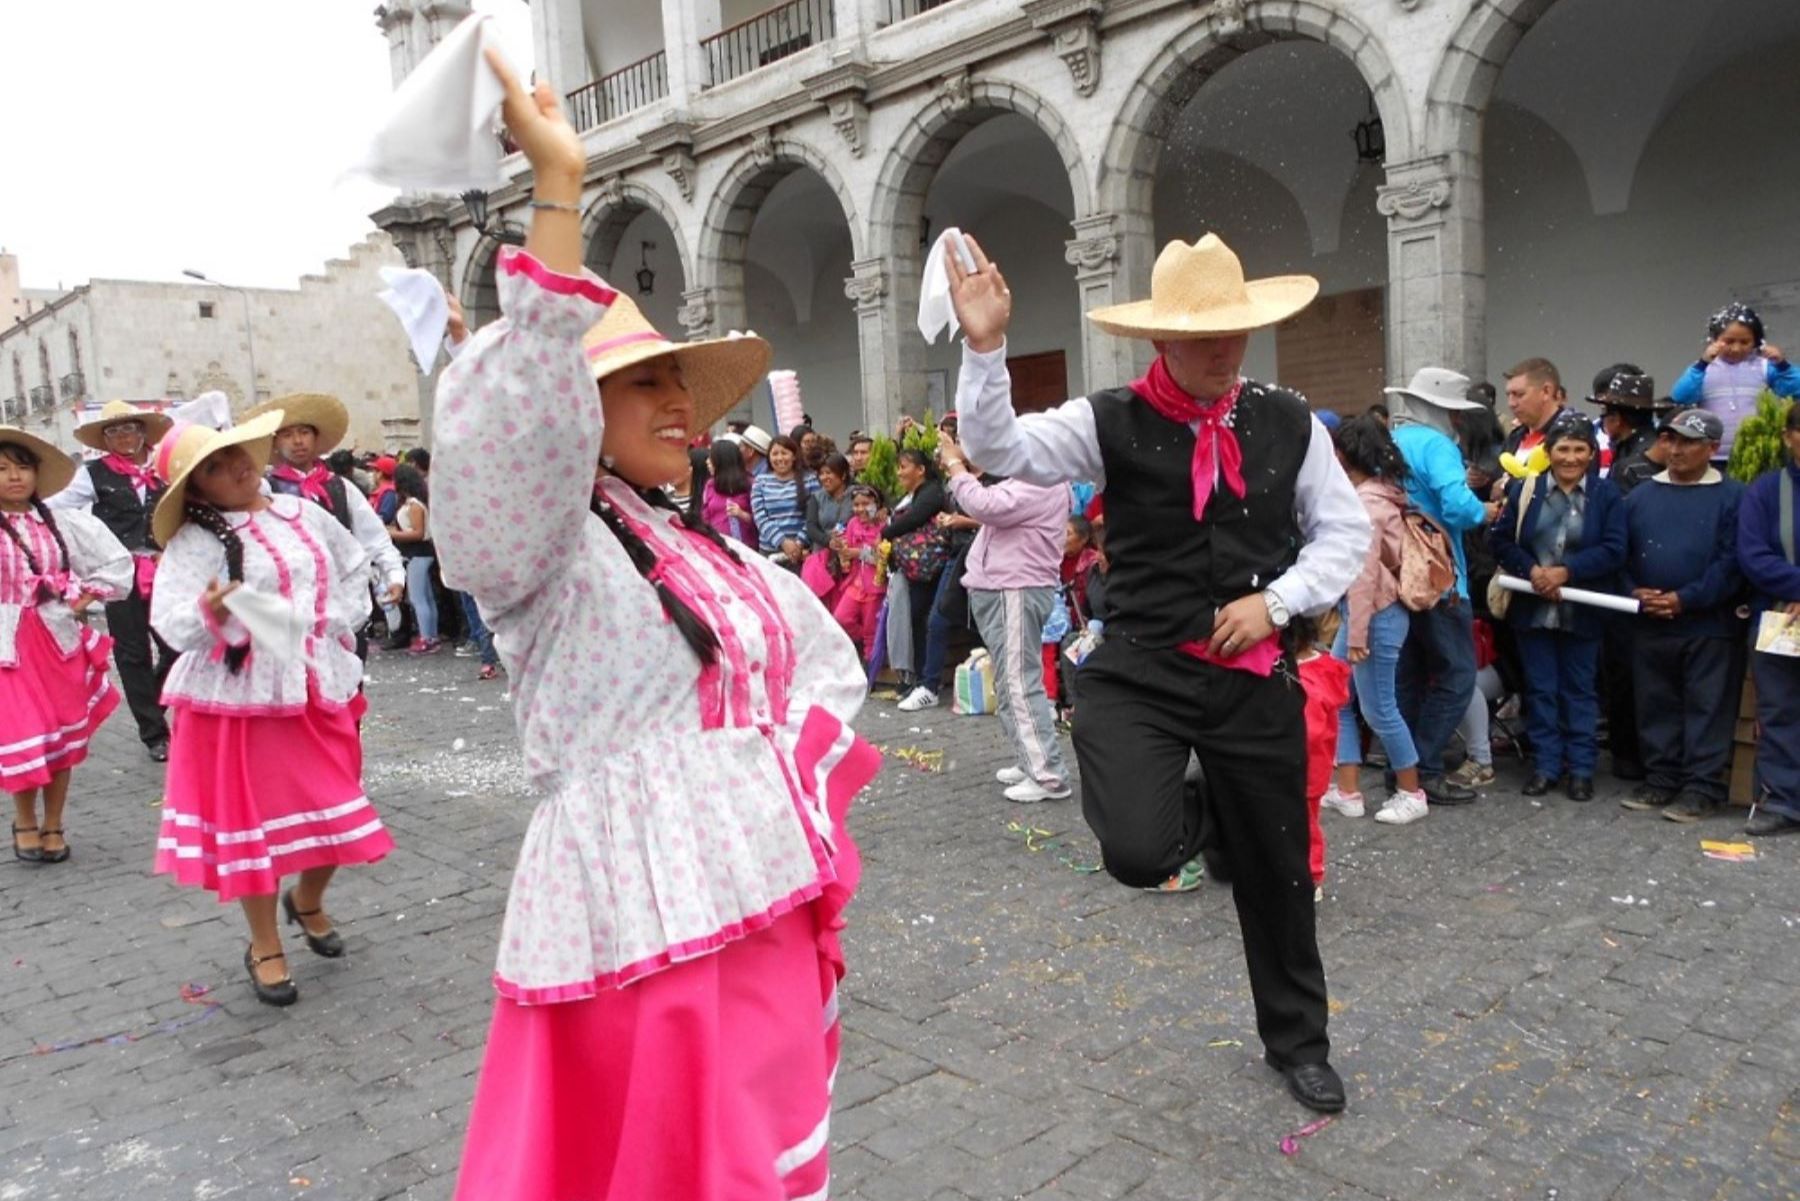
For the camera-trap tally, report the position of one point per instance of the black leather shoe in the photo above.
(59, 855)
(1538, 786)
(1581, 788)
(29, 854)
(1767, 823)
(1315, 1085)
(159, 751)
(283, 992)
(1440, 791)
(328, 944)
(1628, 769)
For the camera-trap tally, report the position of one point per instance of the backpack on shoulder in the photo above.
(1427, 563)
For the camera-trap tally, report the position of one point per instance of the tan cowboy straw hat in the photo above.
(54, 468)
(326, 414)
(1199, 291)
(719, 371)
(93, 433)
(186, 447)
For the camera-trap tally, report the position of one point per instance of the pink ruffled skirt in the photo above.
(50, 704)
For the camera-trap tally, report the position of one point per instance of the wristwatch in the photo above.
(1278, 612)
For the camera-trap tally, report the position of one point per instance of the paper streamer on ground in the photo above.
(784, 390)
(417, 298)
(1578, 596)
(439, 131)
(277, 627)
(935, 309)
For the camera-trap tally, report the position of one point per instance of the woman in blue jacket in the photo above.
(1570, 534)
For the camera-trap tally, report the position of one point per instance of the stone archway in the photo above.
(629, 227)
(480, 293)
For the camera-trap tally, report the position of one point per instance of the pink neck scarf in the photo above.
(138, 474)
(1163, 394)
(312, 483)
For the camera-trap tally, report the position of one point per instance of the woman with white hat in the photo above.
(1226, 514)
(120, 490)
(262, 596)
(667, 1018)
(54, 690)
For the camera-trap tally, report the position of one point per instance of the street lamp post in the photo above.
(249, 328)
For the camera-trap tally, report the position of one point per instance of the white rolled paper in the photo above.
(1577, 596)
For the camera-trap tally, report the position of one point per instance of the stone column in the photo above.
(854, 20)
(558, 34)
(877, 339)
(441, 16)
(1437, 281)
(395, 20)
(1098, 254)
(420, 228)
(684, 23)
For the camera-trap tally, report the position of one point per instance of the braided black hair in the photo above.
(214, 522)
(700, 637)
(24, 457)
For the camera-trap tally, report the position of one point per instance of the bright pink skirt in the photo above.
(710, 1081)
(50, 704)
(252, 799)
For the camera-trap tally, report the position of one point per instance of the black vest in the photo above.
(1169, 572)
(117, 506)
(334, 492)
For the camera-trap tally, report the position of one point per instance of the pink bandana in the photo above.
(139, 476)
(1164, 395)
(312, 483)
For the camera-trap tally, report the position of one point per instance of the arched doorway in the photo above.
(1626, 204)
(632, 244)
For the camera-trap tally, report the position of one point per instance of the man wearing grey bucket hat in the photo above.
(1437, 664)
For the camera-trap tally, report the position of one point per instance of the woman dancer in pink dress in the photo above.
(667, 1018)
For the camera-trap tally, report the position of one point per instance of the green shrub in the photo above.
(1758, 448)
(881, 474)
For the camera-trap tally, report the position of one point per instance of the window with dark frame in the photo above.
(206, 309)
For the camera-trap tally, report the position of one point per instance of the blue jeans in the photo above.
(1778, 750)
(931, 633)
(1373, 691)
(479, 634)
(1436, 679)
(424, 601)
(1562, 700)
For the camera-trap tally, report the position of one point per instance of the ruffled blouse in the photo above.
(97, 564)
(293, 549)
(683, 806)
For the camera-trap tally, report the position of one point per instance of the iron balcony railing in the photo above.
(625, 90)
(72, 386)
(901, 10)
(43, 398)
(767, 37)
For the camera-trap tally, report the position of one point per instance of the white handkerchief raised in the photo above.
(277, 627)
(935, 308)
(417, 298)
(439, 131)
(211, 409)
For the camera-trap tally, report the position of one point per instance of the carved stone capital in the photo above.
(610, 194)
(673, 144)
(1227, 18)
(1413, 200)
(395, 14)
(843, 90)
(955, 89)
(762, 147)
(1094, 251)
(1074, 29)
(696, 313)
(868, 287)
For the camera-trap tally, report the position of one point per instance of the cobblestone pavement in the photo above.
(1529, 1000)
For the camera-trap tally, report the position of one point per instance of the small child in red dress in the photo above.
(858, 607)
(54, 690)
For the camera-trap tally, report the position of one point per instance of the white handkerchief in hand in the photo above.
(417, 298)
(211, 409)
(277, 627)
(935, 309)
(439, 131)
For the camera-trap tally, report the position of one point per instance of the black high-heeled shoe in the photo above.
(282, 992)
(329, 944)
(48, 855)
(27, 854)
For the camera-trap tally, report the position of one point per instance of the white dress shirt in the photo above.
(1063, 445)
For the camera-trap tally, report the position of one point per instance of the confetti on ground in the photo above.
(1226, 1042)
(1038, 841)
(917, 758)
(193, 994)
(1290, 1145)
(1731, 852)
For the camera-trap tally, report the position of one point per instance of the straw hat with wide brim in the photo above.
(1199, 291)
(186, 446)
(326, 414)
(93, 433)
(54, 468)
(719, 372)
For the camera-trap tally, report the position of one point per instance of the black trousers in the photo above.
(1142, 712)
(1620, 690)
(143, 661)
(1687, 702)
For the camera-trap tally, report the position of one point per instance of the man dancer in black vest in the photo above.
(313, 424)
(122, 493)
(1226, 514)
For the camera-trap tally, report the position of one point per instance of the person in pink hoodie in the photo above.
(858, 548)
(1375, 628)
(1012, 575)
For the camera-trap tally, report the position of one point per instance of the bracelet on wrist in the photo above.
(555, 206)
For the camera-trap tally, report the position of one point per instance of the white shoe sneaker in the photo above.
(1011, 775)
(1350, 804)
(1030, 792)
(1403, 808)
(917, 699)
(1318, 893)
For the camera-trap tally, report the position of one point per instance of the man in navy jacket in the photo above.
(1767, 555)
(1681, 563)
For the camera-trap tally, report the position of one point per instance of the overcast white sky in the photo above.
(145, 138)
